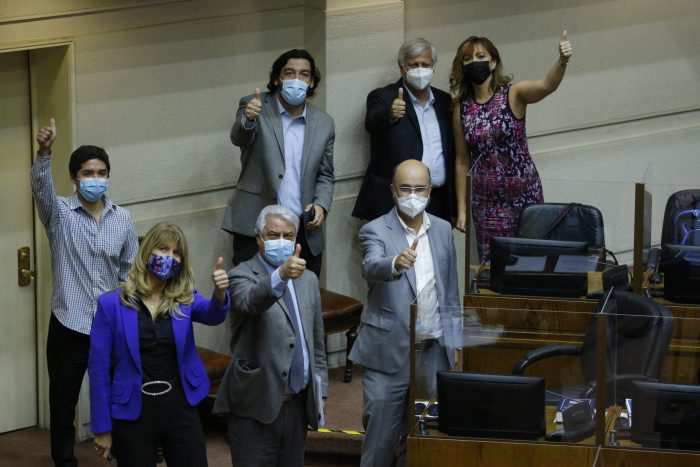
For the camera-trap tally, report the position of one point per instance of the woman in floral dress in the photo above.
(490, 139)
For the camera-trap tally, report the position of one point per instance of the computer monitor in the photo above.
(666, 415)
(490, 406)
(681, 267)
(528, 266)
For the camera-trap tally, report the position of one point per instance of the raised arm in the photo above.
(376, 265)
(246, 122)
(383, 112)
(41, 180)
(529, 92)
(462, 162)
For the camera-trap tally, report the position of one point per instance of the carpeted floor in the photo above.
(327, 448)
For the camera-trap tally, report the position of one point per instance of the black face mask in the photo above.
(476, 72)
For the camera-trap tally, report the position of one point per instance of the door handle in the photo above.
(24, 272)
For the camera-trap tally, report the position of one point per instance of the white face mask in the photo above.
(419, 77)
(412, 204)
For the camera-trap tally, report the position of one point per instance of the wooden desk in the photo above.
(440, 450)
(525, 333)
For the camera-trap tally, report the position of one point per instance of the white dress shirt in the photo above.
(289, 191)
(433, 154)
(428, 317)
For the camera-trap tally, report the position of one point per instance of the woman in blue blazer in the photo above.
(145, 375)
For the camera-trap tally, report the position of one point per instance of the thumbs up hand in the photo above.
(294, 266)
(398, 107)
(565, 50)
(46, 137)
(407, 258)
(220, 279)
(252, 110)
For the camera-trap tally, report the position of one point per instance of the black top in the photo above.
(157, 348)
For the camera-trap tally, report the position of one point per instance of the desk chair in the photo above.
(680, 226)
(559, 221)
(638, 336)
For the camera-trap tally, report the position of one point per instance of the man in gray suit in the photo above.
(273, 387)
(407, 255)
(286, 158)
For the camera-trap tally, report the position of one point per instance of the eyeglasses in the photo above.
(421, 190)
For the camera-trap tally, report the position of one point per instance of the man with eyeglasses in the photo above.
(286, 158)
(408, 256)
(409, 119)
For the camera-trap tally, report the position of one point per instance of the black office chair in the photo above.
(559, 221)
(638, 335)
(680, 222)
(680, 226)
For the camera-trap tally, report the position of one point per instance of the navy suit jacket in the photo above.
(114, 364)
(393, 143)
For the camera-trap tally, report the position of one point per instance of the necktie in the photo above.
(296, 373)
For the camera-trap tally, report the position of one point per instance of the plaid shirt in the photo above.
(87, 258)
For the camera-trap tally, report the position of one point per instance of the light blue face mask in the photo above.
(92, 189)
(278, 251)
(294, 91)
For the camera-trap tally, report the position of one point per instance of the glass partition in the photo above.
(506, 374)
(558, 248)
(654, 365)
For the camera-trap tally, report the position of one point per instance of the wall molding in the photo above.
(543, 146)
(86, 9)
(553, 143)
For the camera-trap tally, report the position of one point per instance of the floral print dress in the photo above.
(504, 178)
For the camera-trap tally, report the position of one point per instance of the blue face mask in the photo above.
(92, 189)
(278, 251)
(294, 91)
(163, 267)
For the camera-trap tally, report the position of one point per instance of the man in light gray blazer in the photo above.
(407, 255)
(286, 158)
(277, 377)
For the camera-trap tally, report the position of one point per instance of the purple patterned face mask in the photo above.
(163, 267)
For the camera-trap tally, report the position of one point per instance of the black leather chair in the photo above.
(638, 335)
(681, 226)
(578, 223)
(678, 226)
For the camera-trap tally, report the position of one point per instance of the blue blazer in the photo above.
(114, 364)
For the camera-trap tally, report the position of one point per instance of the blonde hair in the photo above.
(463, 88)
(179, 290)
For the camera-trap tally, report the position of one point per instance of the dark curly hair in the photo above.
(282, 61)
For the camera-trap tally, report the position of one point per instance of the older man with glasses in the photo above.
(408, 256)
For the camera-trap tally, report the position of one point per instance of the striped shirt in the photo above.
(87, 258)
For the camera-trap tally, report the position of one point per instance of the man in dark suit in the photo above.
(286, 158)
(273, 387)
(407, 256)
(409, 120)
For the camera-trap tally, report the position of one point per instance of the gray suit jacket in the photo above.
(262, 166)
(382, 342)
(261, 355)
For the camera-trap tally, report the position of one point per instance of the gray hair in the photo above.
(276, 210)
(413, 47)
